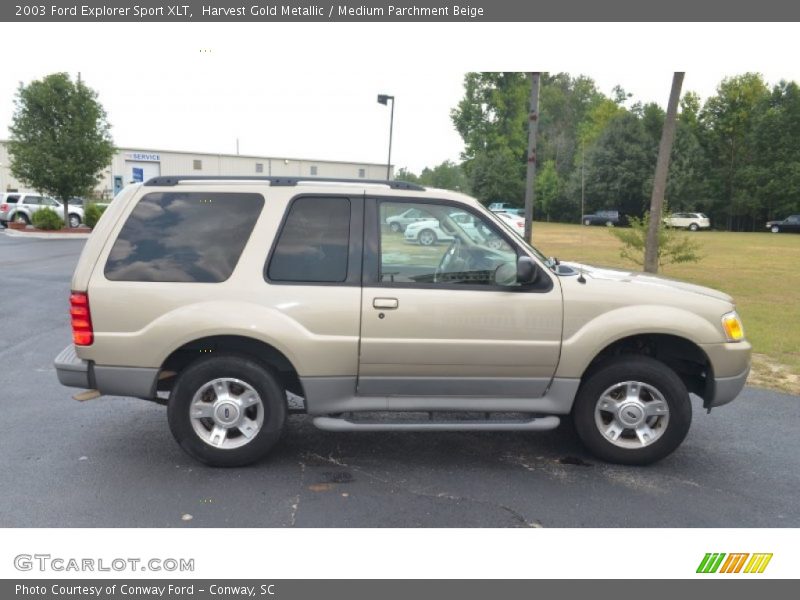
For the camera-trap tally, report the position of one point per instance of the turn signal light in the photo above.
(732, 325)
(82, 332)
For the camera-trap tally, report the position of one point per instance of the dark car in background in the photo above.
(790, 224)
(609, 218)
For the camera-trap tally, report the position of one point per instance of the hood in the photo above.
(647, 279)
(771, 223)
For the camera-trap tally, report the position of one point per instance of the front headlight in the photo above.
(732, 325)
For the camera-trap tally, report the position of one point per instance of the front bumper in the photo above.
(731, 365)
(727, 388)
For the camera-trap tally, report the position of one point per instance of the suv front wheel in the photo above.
(633, 410)
(227, 410)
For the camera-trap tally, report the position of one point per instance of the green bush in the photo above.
(92, 215)
(673, 247)
(47, 218)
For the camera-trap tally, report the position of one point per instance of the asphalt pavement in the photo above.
(112, 462)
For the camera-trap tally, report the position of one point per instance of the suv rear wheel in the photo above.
(227, 411)
(633, 410)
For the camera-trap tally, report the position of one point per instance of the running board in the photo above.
(537, 424)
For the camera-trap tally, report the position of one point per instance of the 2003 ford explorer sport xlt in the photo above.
(225, 298)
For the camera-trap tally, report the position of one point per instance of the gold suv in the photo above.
(237, 300)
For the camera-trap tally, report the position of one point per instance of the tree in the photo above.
(651, 251)
(548, 188)
(447, 175)
(492, 119)
(727, 120)
(60, 139)
(774, 175)
(403, 174)
(619, 167)
(673, 247)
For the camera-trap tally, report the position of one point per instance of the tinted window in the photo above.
(12, 199)
(191, 237)
(35, 200)
(314, 242)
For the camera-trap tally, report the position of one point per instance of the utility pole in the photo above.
(384, 99)
(660, 179)
(533, 128)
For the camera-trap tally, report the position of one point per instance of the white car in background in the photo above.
(398, 223)
(515, 222)
(429, 231)
(690, 221)
(20, 207)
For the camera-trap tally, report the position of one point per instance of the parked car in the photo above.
(83, 202)
(430, 231)
(398, 223)
(305, 294)
(790, 224)
(609, 218)
(506, 207)
(686, 220)
(21, 206)
(516, 222)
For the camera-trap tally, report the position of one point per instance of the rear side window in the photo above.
(188, 237)
(314, 243)
(12, 199)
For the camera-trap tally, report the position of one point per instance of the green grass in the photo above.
(760, 270)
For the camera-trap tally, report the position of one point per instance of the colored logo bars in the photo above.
(713, 563)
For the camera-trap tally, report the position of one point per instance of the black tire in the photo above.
(74, 220)
(432, 239)
(198, 374)
(21, 217)
(639, 369)
(609, 223)
(395, 227)
(775, 229)
(587, 222)
(693, 227)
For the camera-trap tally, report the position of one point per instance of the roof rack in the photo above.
(172, 180)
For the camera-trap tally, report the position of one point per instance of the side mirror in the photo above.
(526, 270)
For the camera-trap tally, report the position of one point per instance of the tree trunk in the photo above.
(660, 180)
(66, 211)
(533, 127)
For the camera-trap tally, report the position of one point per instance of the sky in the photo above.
(309, 90)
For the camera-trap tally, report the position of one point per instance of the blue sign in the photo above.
(138, 175)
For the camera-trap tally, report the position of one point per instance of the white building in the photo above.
(140, 164)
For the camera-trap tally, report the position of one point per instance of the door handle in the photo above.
(385, 303)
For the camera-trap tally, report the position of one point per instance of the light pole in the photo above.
(384, 99)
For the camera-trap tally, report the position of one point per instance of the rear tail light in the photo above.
(82, 332)
(3, 207)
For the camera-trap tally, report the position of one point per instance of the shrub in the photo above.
(47, 218)
(673, 247)
(92, 214)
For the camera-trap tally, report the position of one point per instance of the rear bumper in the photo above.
(73, 371)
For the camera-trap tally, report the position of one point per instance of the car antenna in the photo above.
(581, 278)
